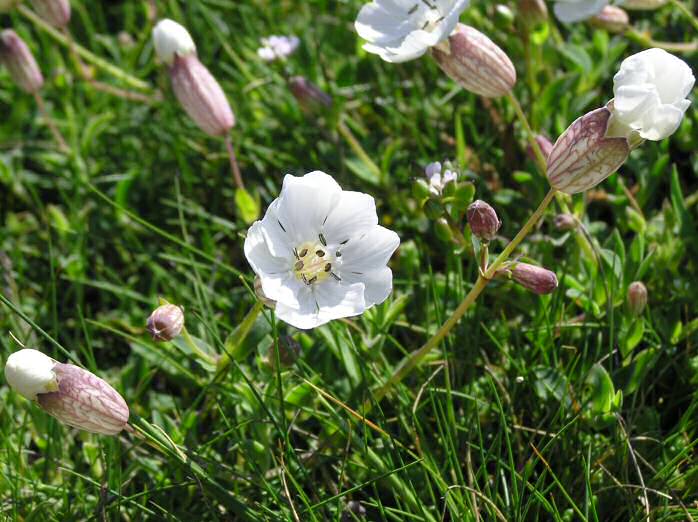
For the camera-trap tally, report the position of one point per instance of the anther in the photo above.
(320, 253)
(303, 252)
(298, 265)
(322, 240)
(328, 267)
(312, 280)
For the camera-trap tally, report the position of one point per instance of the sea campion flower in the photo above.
(166, 322)
(278, 47)
(20, 62)
(55, 12)
(474, 61)
(196, 89)
(320, 253)
(650, 101)
(438, 179)
(72, 395)
(403, 30)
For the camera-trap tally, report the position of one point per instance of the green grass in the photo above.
(513, 417)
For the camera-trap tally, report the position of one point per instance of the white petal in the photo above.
(304, 204)
(30, 372)
(258, 254)
(575, 11)
(283, 288)
(632, 101)
(661, 122)
(278, 239)
(337, 299)
(303, 316)
(378, 24)
(378, 284)
(370, 251)
(170, 38)
(354, 214)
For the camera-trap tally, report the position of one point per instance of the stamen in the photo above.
(295, 253)
(328, 267)
(413, 9)
(312, 280)
(335, 276)
(303, 252)
(320, 253)
(322, 240)
(337, 254)
(298, 265)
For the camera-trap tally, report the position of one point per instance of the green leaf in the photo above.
(247, 206)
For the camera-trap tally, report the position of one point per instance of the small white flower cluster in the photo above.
(438, 179)
(278, 47)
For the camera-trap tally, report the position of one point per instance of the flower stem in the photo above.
(234, 162)
(51, 124)
(416, 357)
(540, 160)
(195, 348)
(354, 144)
(687, 12)
(84, 53)
(647, 41)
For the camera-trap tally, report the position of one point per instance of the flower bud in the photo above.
(611, 18)
(583, 156)
(565, 222)
(643, 5)
(483, 220)
(289, 352)
(55, 12)
(16, 56)
(259, 292)
(476, 62)
(637, 297)
(310, 97)
(533, 12)
(544, 144)
(534, 278)
(201, 95)
(171, 39)
(70, 394)
(166, 322)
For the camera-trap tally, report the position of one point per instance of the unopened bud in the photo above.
(289, 352)
(55, 12)
(637, 297)
(259, 292)
(583, 156)
(643, 5)
(544, 144)
(476, 62)
(310, 97)
(172, 39)
(16, 56)
(70, 394)
(533, 12)
(611, 18)
(483, 220)
(565, 222)
(166, 322)
(201, 95)
(534, 278)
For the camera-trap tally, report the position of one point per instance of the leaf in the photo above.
(247, 206)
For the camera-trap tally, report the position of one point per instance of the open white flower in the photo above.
(401, 30)
(569, 11)
(30, 373)
(650, 92)
(278, 47)
(320, 253)
(437, 179)
(171, 39)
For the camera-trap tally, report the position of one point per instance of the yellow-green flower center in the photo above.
(313, 263)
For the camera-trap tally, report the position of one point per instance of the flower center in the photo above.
(313, 262)
(425, 15)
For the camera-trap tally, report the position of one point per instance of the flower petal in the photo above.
(258, 255)
(661, 122)
(576, 10)
(354, 214)
(381, 23)
(303, 316)
(378, 284)
(369, 252)
(338, 299)
(277, 238)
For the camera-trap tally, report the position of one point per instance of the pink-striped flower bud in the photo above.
(166, 322)
(545, 145)
(537, 279)
(72, 395)
(476, 62)
(483, 220)
(611, 18)
(201, 95)
(310, 97)
(16, 56)
(55, 12)
(583, 156)
(637, 297)
(533, 12)
(565, 222)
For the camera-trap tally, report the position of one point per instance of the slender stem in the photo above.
(346, 133)
(647, 41)
(416, 357)
(484, 256)
(234, 162)
(687, 12)
(84, 53)
(51, 124)
(195, 347)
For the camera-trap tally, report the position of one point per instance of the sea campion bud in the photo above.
(637, 297)
(565, 222)
(611, 18)
(55, 12)
(533, 12)
(196, 89)
(534, 278)
(544, 144)
(310, 97)
(583, 156)
(476, 62)
(483, 220)
(16, 56)
(67, 392)
(166, 322)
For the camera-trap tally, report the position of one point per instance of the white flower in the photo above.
(401, 30)
(172, 39)
(278, 47)
(320, 253)
(437, 180)
(650, 92)
(30, 372)
(576, 10)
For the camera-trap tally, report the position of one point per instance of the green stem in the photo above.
(195, 348)
(51, 124)
(540, 160)
(354, 144)
(240, 335)
(417, 356)
(687, 12)
(647, 41)
(84, 53)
